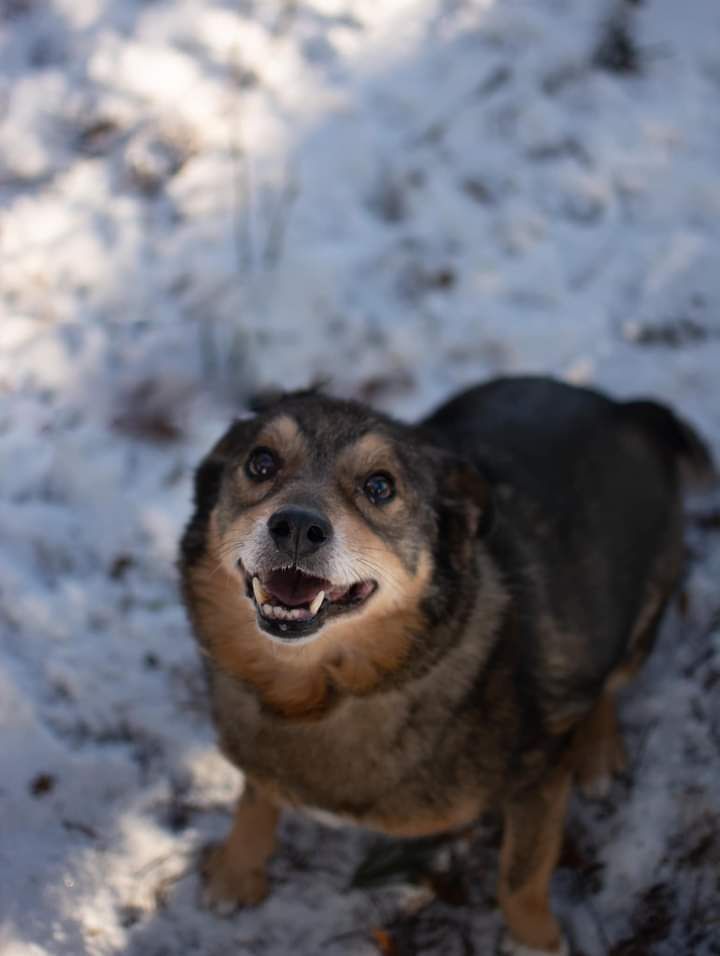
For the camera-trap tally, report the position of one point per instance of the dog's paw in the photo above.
(510, 947)
(596, 773)
(596, 788)
(227, 884)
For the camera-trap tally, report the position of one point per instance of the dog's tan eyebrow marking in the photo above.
(370, 451)
(282, 434)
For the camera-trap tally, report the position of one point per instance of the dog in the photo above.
(409, 625)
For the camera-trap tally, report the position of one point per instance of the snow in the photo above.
(199, 200)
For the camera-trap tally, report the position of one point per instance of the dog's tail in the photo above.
(678, 439)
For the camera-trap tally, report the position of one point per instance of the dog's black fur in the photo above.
(587, 492)
(534, 543)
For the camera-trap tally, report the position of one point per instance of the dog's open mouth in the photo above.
(293, 604)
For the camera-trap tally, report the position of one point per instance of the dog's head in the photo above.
(328, 514)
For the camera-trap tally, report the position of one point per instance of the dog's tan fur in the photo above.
(235, 869)
(532, 840)
(457, 685)
(352, 657)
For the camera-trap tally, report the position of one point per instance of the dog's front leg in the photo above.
(532, 840)
(234, 872)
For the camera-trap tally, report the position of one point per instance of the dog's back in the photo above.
(472, 592)
(591, 488)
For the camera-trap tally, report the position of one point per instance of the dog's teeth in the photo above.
(317, 603)
(276, 613)
(259, 591)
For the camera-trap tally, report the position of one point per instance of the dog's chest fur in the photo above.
(398, 761)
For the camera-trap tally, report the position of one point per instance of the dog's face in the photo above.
(328, 514)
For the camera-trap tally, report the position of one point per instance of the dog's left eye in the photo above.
(379, 488)
(262, 464)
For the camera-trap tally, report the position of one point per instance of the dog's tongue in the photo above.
(293, 588)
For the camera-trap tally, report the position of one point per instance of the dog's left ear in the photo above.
(466, 498)
(469, 487)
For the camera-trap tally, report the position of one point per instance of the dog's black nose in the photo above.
(298, 532)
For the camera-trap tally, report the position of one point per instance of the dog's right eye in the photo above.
(379, 488)
(261, 465)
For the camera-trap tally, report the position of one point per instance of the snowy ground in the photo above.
(201, 198)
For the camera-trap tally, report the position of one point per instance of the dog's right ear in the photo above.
(208, 478)
(209, 472)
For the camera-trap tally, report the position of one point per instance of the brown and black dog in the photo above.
(409, 625)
